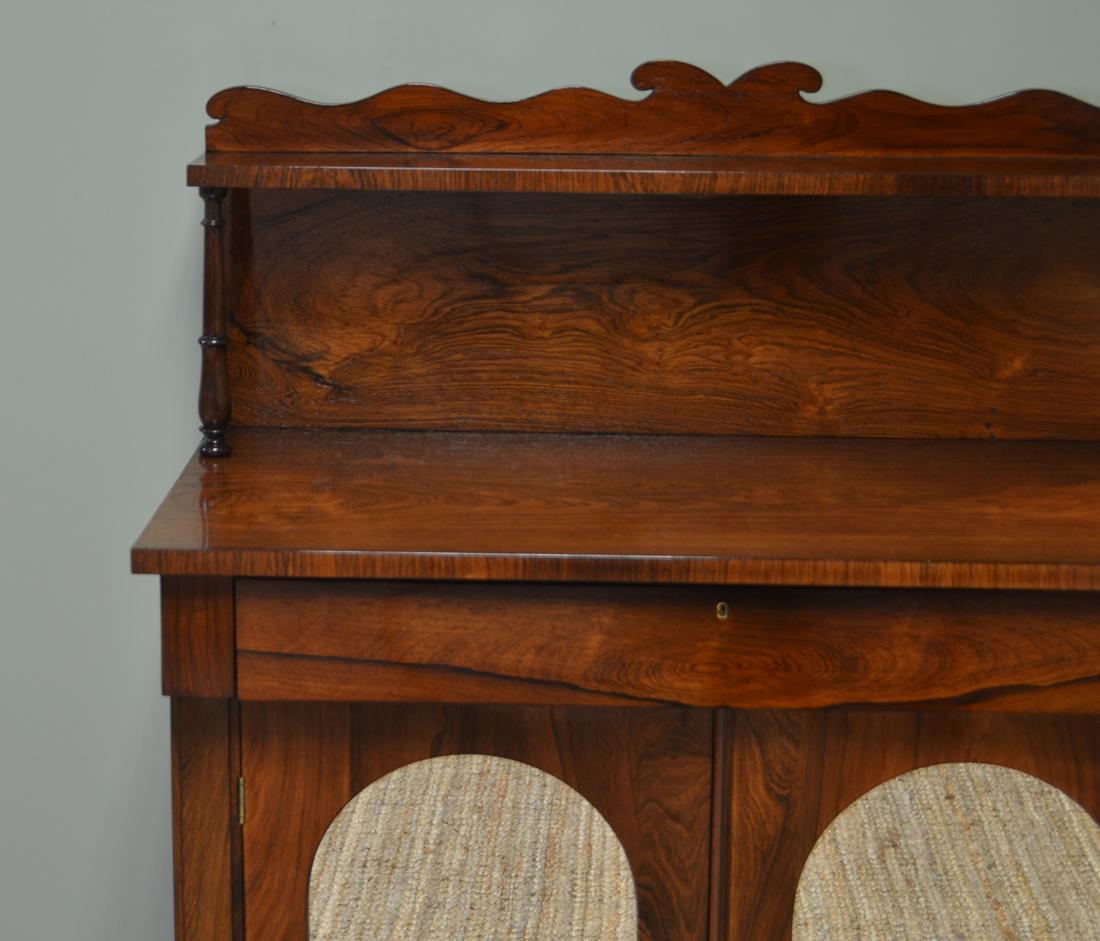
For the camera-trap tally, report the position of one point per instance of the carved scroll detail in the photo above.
(688, 111)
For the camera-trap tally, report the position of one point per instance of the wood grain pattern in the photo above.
(777, 767)
(721, 826)
(647, 771)
(861, 317)
(279, 677)
(204, 776)
(687, 112)
(793, 772)
(198, 650)
(676, 509)
(1062, 177)
(296, 762)
(776, 649)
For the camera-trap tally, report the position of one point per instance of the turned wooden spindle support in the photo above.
(214, 405)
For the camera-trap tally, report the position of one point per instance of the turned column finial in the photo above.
(214, 404)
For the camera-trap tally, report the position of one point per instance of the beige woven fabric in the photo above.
(470, 847)
(956, 852)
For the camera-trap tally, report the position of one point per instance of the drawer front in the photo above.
(622, 645)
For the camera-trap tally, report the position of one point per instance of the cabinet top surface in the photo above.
(691, 134)
(638, 508)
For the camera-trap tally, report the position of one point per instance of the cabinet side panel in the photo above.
(198, 652)
(204, 774)
(920, 317)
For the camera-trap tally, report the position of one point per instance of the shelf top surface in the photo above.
(632, 508)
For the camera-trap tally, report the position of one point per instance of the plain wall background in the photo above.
(101, 107)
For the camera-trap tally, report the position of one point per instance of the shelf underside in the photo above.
(674, 175)
(664, 508)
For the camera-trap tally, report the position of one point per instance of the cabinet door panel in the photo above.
(647, 771)
(791, 773)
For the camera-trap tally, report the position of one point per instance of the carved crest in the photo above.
(687, 112)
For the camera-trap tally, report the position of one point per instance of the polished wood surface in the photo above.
(340, 504)
(768, 648)
(274, 677)
(1075, 177)
(206, 839)
(793, 772)
(688, 112)
(648, 771)
(862, 317)
(720, 824)
(292, 758)
(198, 648)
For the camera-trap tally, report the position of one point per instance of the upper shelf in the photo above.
(691, 135)
(654, 508)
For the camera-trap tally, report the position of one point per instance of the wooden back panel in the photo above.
(751, 315)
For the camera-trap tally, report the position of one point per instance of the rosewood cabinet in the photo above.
(720, 454)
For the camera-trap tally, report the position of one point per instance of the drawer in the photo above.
(700, 646)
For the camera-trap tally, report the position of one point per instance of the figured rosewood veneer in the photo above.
(638, 645)
(720, 452)
(778, 316)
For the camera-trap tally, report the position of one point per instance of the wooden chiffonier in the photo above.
(720, 454)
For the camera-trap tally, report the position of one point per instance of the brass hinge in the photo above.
(240, 801)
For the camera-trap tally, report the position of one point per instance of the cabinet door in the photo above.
(646, 770)
(790, 775)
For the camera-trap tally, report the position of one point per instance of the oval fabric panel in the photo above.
(470, 847)
(954, 851)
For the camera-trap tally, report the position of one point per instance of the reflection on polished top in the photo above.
(661, 508)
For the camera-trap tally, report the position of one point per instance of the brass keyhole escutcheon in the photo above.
(722, 610)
